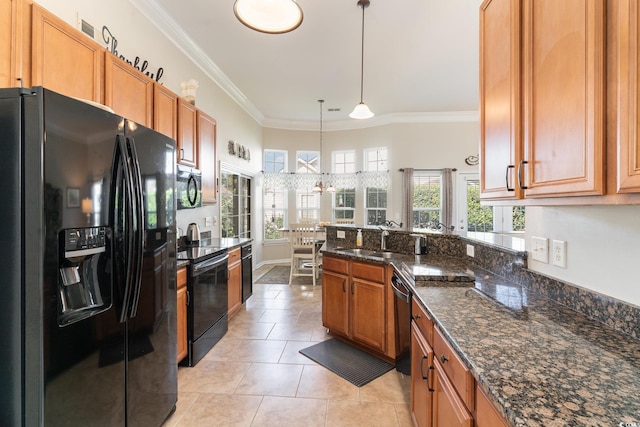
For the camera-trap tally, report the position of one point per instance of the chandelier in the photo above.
(320, 187)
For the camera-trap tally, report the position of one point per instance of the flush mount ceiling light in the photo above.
(319, 188)
(362, 111)
(269, 16)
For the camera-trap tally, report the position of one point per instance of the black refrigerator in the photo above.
(88, 299)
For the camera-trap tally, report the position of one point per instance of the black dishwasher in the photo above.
(247, 271)
(400, 282)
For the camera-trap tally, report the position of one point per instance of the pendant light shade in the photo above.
(269, 16)
(362, 111)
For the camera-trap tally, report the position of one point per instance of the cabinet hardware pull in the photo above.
(421, 372)
(520, 178)
(431, 389)
(506, 177)
(417, 316)
(182, 154)
(343, 287)
(188, 298)
(444, 358)
(352, 289)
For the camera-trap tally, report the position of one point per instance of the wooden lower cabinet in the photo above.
(354, 302)
(448, 408)
(486, 413)
(181, 313)
(421, 372)
(234, 282)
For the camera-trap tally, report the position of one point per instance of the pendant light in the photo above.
(319, 188)
(269, 16)
(362, 111)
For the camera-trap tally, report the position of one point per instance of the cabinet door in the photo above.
(11, 43)
(165, 111)
(181, 312)
(368, 313)
(563, 97)
(65, 60)
(335, 302)
(500, 122)
(448, 409)
(235, 288)
(127, 91)
(187, 149)
(421, 370)
(628, 97)
(206, 126)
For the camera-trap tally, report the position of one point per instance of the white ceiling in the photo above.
(420, 60)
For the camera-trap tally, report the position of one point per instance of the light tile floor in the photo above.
(255, 376)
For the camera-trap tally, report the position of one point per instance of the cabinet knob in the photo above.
(417, 316)
(443, 358)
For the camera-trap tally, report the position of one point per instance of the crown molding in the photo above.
(380, 120)
(166, 25)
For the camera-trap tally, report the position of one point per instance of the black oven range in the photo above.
(207, 319)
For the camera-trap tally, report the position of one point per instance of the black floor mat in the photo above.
(355, 366)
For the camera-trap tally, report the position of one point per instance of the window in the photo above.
(235, 205)
(426, 199)
(375, 160)
(275, 198)
(307, 202)
(482, 219)
(344, 199)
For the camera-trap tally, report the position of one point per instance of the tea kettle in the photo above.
(193, 233)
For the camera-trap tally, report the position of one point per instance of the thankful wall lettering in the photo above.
(138, 64)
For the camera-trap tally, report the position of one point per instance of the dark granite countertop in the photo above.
(541, 363)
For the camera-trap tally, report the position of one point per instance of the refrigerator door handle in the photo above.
(120, 162)
(138, 234)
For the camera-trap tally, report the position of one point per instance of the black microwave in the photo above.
(188, 187)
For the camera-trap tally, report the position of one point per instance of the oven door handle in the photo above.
(396, 284)
(204, 266)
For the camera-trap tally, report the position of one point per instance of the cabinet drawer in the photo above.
(422, 320)
(370, 272)
(234, 255)
(335, 264)
(456, 371)
(182, 277)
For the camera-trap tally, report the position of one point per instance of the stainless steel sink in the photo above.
(367, 253)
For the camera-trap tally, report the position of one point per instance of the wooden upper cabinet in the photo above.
(187, 145)
(543, 106)
(500, 119)
(165, 111)
(628, 93)
(11, 43)
(127, 91)
(206, 128)
(564, 97)
(63, 59)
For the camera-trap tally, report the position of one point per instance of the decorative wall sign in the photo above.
(238, 150)
(138, 64)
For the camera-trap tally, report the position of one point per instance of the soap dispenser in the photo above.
(359, 238)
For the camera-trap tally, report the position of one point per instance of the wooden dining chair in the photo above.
(304, 251)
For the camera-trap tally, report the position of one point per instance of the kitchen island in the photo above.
(540, 363)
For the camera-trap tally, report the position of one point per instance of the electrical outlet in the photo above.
(471, 251)
(208, 221)
(559, 253)
(540, 249)
(340, 234)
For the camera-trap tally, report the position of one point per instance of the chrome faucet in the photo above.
(383, 240)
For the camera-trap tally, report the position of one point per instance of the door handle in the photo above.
(426, 378)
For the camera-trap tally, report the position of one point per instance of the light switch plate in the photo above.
(540, 249)
(208, 221)
(471, 251)
(559, 253)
